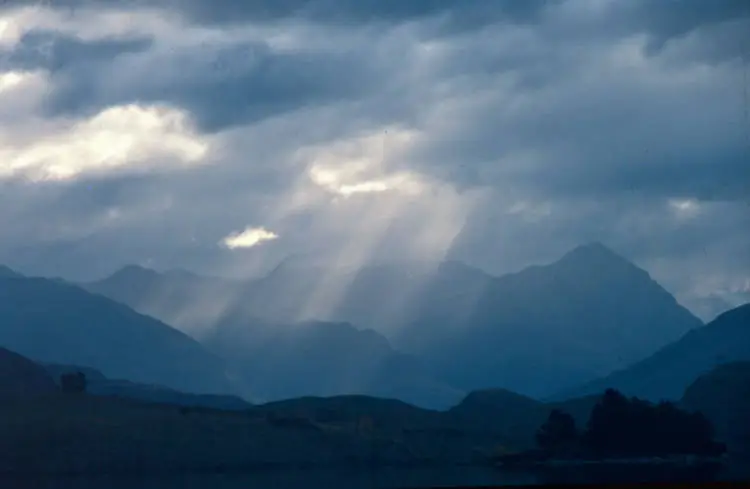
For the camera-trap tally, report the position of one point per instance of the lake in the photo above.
(291, 479)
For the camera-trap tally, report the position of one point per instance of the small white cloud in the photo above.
(248, 238)
(685, 208)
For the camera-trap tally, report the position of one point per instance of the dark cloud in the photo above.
(662, 20)
(634, 128)
(667, 20)
(577, 127)
(55, 52)
(223, 86)
(458, 13)
(454, 15)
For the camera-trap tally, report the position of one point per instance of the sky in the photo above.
(222, 136)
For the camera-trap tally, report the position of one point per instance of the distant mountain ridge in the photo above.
(537, 332)
(54, 322)
(179, 298)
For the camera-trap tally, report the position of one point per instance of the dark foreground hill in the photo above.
(723, 394)
(93, 434)
(99, 385)
(53, 322)
(667, 373)
(90, 434)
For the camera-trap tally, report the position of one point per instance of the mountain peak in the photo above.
(594, 254)
(594, 248)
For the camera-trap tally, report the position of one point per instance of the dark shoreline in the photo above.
(678, 461)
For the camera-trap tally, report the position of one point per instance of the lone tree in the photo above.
(73, 383)
(558, 434)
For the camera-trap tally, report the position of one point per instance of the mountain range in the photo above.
(54, 322)
(536, 332)
(423, 333)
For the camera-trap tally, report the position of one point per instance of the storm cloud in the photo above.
(501, 133)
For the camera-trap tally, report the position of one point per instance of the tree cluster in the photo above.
(622, 427)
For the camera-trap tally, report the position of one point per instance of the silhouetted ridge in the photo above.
(22, 378)
(738, 317)
(723, 394)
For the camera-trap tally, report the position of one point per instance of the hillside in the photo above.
(22, 378)
(94, 434)
(99, 385)
(511, 417)
(181, 299)
(52, 322)
(667, 373)
(490, 420)
(723, 394)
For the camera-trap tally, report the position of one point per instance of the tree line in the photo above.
(629, 427)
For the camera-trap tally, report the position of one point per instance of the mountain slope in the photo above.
(547, 327)
(52, 322)
(181, 299)
(723, 394)
(22, 378)
(668, 372)
(282, 361)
